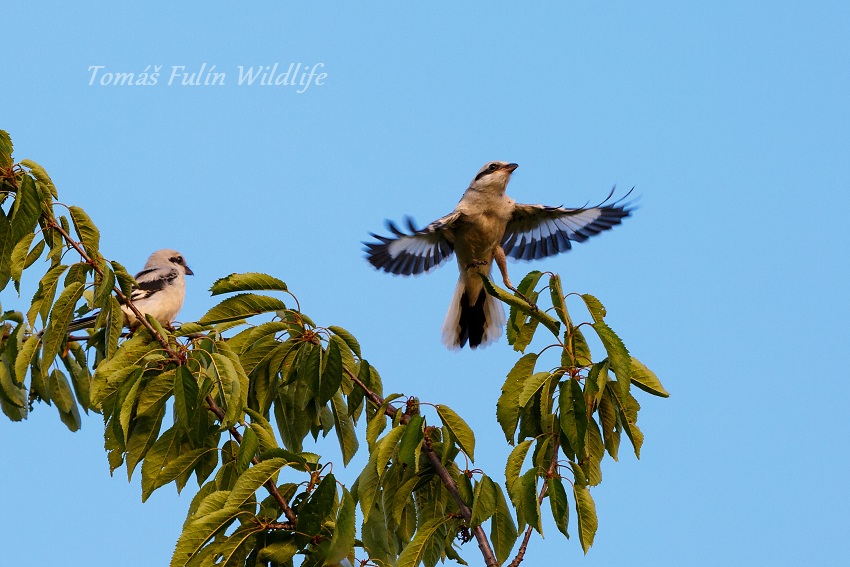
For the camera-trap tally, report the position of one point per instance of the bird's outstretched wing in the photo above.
(411, 254)
(151, 281)
(537, 231)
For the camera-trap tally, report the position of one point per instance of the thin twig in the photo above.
(553, 467)
(270, 485)
(445, 477)
(448, 481)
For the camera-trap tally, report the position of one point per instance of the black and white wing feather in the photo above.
(537, 231)
(151, 281)
(415, 253)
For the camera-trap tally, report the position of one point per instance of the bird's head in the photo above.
(494, 176)
(168, 257)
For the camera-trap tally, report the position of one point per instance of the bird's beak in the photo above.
(511, 167)
(188, 271)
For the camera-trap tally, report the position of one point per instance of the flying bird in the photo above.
(161, 288)
(486, 225)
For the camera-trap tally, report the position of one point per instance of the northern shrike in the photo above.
(160, 291)
(486, 225)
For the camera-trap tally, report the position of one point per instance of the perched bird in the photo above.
(486, 225)
(160, 292)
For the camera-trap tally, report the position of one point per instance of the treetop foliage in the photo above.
(245, 393)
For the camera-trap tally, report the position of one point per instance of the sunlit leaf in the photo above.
(508, 408)
(646, 380)
(240, 307)
(250, 281)
(460, 430)
(586, 516)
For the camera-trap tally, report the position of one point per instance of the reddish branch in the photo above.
(270, 485)
(445, 477)
(553, 470)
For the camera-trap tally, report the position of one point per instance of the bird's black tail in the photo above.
(478, 322)
(472, 319)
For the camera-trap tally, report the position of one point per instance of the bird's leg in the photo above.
(502, 263)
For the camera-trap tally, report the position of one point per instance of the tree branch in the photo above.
(270, 485)
(483, 543)
(553, 467)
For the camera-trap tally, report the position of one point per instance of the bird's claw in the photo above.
(475, 264)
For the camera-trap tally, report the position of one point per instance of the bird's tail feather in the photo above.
(477, 320)
(82, 323)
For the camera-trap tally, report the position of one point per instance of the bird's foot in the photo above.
(475, 264)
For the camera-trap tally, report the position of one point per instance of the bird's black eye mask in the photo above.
(493, 167)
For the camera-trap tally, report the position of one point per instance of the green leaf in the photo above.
(125, 281)
(646, 380)
(608, 421)
(247, 450)
(411, 440)
(385, 447)
(7, 243)
(618, 356)
(367, 486)
(14, 392)
(586, 515)
(348, 338)
(558, 502)
(524, 496)
(627, 409)
(459, 429)
(198, 532)
(182, 465)
(18, 259)
(186, 402)
(415, 550)
(315, 511)
(342, 543)
(89, 234)
(279, 552)
(57, 326)
(155, 393)
(60, 391)
(531, 387)
(595, 307)
(515, 460)
(104, 287)
(263, 430)
(241, 306)
(508, 408)
(231, 389)
(345, 432)
(557, 293)
(25, 356)
(503, 532)
(573, 414)
(250, 281)
(142, 437)
(163, 451)
(484, 502)
(251, 480)
(331, 376)
(42, 301)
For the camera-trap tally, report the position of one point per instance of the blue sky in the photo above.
(730, 119)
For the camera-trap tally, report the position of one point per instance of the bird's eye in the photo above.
(177, 259)
(493, 167)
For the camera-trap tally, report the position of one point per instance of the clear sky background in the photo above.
(731, 119)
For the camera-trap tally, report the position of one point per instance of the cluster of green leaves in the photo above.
(570, 413)
(244, 395)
